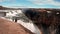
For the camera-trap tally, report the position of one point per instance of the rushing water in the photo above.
(30, 26)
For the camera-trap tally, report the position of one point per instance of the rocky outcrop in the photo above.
(47, 20)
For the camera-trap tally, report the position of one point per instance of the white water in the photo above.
(30, 26)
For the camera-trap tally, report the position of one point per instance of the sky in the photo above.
(31, 3)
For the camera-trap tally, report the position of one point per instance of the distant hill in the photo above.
(6, 8)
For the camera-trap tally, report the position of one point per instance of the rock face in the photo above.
(8, 27)
(48, 21)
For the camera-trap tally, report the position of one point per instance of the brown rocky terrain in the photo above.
(9, 27)
(47, 20)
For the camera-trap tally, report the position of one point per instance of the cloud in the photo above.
(6, 0)
(45, 2)
(18, 6)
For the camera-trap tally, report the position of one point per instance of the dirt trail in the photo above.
(9, 27)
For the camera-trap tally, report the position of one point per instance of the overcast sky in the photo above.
(31, 3)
